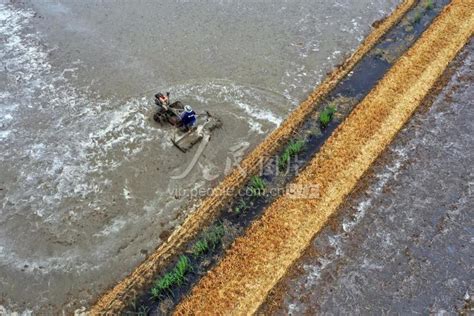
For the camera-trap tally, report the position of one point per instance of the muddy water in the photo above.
(85, 178)
(404, 241)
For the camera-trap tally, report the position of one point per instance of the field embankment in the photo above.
(257, 261)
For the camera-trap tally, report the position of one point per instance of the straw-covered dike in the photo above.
(259, 258)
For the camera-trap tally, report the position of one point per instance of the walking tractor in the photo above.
(190, 128)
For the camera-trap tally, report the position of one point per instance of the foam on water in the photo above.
(7, 312)
(253, 101)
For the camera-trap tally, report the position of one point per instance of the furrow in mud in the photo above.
(116, 299)
(256, 261)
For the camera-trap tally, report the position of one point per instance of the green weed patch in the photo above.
(242, 206)
(293, 148)
(175, 277)
(209, 241)
(429, 5)
(326, 116)
(257, 186)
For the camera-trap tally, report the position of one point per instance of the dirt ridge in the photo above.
(117, 298)
(257, 260)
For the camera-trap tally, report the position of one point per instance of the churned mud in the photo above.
(256, 262)
(403, 241)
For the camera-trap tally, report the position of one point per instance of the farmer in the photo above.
(188, 118)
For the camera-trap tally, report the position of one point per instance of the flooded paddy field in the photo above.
(85, 179)
(403, 242)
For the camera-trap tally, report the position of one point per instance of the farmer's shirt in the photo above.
(188, 118)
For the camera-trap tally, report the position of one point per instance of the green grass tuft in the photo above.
(257, 186)
(429, 5)
(182, 267)
(209, 241)
(326, 116)
(200, 247)
(293, 148)
(177, 276)
(241, 207)
(214, 235)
